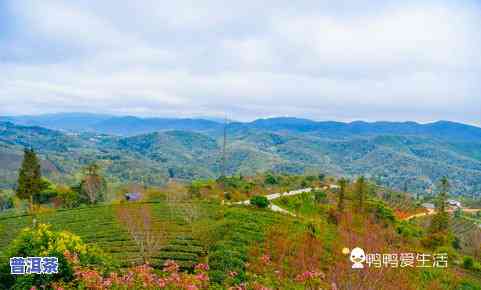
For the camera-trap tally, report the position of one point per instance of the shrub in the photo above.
(259, 201)
(6, 202)
(67, 197)
(381, 211)
(320, 196)
(468, 263)
(41, 241)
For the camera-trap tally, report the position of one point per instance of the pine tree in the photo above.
(443, 194)
(342, 192)
(29, 177)
(440, 221)
(361, 191)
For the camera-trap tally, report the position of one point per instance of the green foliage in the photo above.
(439, 222)
(443, 194)
(48, 192)
(320, 196)
(408, 230)
(68, 197)
(381, 211)
(271, 179)
(436, 240)
(360, 191)
(468, 263)
(342, 193)
(42, 241)
(197, 186)
(259, 201)
(6, 202)
(29, 177)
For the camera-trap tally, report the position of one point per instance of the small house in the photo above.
(428, 205)
(453, 202)
(133, 196)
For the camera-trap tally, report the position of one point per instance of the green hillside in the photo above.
(399, 158)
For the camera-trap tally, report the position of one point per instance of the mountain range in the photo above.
(403, 155)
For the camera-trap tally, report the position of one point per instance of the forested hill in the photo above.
(402, 155)
(131, 126)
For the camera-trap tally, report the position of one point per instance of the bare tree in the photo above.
(149, 236)
(174, 200)
(190, 212)
(93, 183)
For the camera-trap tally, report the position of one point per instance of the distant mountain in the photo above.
(131, 126)
(61, 121)
(442, 130)
(394, 154)
(125, 125)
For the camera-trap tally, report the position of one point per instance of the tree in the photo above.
(68, 197)
(439, 227)
(93, 184)
(342, 193)
(320, 196)
(149, 236)
(361, 191)
(322, 178)
(259, 201)
(6, 202)
(443, 194)
(29, 177)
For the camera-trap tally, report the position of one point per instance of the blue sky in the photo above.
(325, 60)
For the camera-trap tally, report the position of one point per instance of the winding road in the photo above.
(273, 196)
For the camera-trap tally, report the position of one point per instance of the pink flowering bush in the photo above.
(139, 277)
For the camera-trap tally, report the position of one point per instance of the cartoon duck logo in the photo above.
(358, 257)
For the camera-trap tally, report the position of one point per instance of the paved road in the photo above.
(273, 196)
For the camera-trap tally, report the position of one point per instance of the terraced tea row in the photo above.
(99, 225)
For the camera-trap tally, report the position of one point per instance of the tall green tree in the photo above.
(29, 177)
(443, 194)
(342, 193)
(440, 221)
(360, 191)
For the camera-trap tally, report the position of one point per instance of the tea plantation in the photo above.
(99, 225)
(231, 231)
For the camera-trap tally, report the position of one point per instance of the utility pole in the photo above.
(224, 148)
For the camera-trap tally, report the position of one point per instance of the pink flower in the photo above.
(192, 287)
(308, 275)
(202, 277)
(232, 274)
(171, 266)
(202, 267)
(161, 283)
(266, 259)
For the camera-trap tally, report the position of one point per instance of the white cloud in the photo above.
(394, 60)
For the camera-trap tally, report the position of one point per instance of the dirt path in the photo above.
(432, 211)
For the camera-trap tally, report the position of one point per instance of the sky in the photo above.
(324, 60)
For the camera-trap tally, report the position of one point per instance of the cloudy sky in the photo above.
(325, 60)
